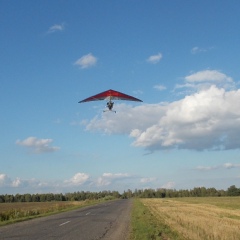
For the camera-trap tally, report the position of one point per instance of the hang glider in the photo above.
(110, 95)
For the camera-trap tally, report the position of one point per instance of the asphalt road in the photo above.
(108, 220)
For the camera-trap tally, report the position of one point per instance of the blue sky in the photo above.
(180, 57)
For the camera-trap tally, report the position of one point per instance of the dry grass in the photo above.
(199, 218)
(24, 206)
(10, 212)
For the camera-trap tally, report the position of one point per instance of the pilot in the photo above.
(110, 105)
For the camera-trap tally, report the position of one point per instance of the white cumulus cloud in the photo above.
(4, 180)
(78, 179)
(225, 166)
(206, 168)
(169, 185)
(160, 87)
(196, 50)
(208, 75)
(207, 119)
(203, 80)
(108, 178)
(56, 28)
(155, 58)
(147, 180)
(38, 145)
(86, 61)
(231, 165)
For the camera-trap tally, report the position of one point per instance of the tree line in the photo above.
(140, 193)
(195, 192)
(49, 197)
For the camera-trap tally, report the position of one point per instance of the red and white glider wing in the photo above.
(111, 95)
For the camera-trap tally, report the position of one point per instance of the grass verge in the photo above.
(145, 226)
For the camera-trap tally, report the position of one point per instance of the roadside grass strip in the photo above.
(198, 218)
(145, 225)
(16, 212)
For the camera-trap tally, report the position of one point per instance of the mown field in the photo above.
(189, 218)
(13, 212)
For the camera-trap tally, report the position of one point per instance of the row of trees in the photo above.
(146, 193)
(195, 192)
(48, 197)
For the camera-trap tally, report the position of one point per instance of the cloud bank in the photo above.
(6, 181)
(106, 181)
(80, 179)
(207, 119)
(224, 166)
